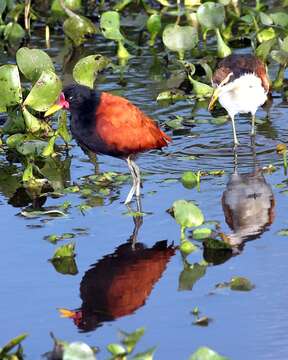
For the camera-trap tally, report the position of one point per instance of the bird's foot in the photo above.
(236, 144)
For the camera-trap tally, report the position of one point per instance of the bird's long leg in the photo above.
(138, 177)
(134, 177)
(253, 132)
(236, 142)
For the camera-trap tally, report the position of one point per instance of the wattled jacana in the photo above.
(110, 125)
(241, 84)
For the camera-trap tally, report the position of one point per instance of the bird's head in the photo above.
(218, 91)
(76, 98)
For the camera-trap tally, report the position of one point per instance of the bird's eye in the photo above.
(70, 98)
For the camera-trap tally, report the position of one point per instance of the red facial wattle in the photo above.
(63, 102)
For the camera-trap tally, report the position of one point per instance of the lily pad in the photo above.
(32, 62)
(86, 69)
(45, 91)
(211, 15)
(11, 86)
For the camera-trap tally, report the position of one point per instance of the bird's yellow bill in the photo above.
(213, 100)
(67, 313)
(53, 109)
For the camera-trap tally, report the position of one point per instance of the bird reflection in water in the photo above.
(120, 283)
(248, 204)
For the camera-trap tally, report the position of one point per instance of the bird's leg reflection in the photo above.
(138, 221)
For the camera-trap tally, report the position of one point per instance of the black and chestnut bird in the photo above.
(110, 125)
(241, 84)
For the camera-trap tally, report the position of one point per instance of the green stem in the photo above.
(285, 162)
(183, 237)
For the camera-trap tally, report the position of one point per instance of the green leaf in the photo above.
(187, 214)
(190, 179)
(3, 5)
(110, 25)
(202, 233)
(265, 19)
(32, 62)
(154, 27)
(284, 44)
(216, 244)
(76, 28)
(116, 349)
(45, 91)
(49, 149)
(190, 275)
(56, 8)
(145, 355)
(211, 15)
(10, 81)
(87, 69)
(28, 173)
(280, 18)
(11, 344)
(78, 351)
(67, 250)
(180, 38)
(32, 123)
(204, 353)
(131, 339)
(31, 147)
(266, 34)
(14, 33)
(65, 266)
(62, 129)
(264, 49)
(239, 283)
(280, 56)
(223, 49)
(200, 89)
(13, 140)
(187, 247)
(14, 123)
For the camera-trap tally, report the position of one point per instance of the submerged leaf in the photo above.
(241, 284)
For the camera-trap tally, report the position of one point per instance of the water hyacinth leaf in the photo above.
(45, 91)
(164, 3)
(32, 123)
(3, 5)
(14, 123)
(49, 149)
(187, 247)
(240, 283)
(78, 351)
(223, 49)
(145, 355)
(65, 266)
(280, 56)
(31, 147)
(62, 129)
(13, 140)
(211, 15)
(77, 28)
(32, 62)
(56, 8)
(121, 5)
(264, 49)
(172, 95)
(14, 33)
(28, 173)
(204, 353)
(266, 34)
(202, 233)
(187, 214)
(10, 81)
(11, 344)
(131, 339)
(216, 244)
(190, 275)
(284, 44)
(67, 250)
(116, 349)
(280, 18)
(190, 179)
(200, 89)
(180, 38)
(265, 19)
(154, 27)
(110, 25)
(86, 69)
